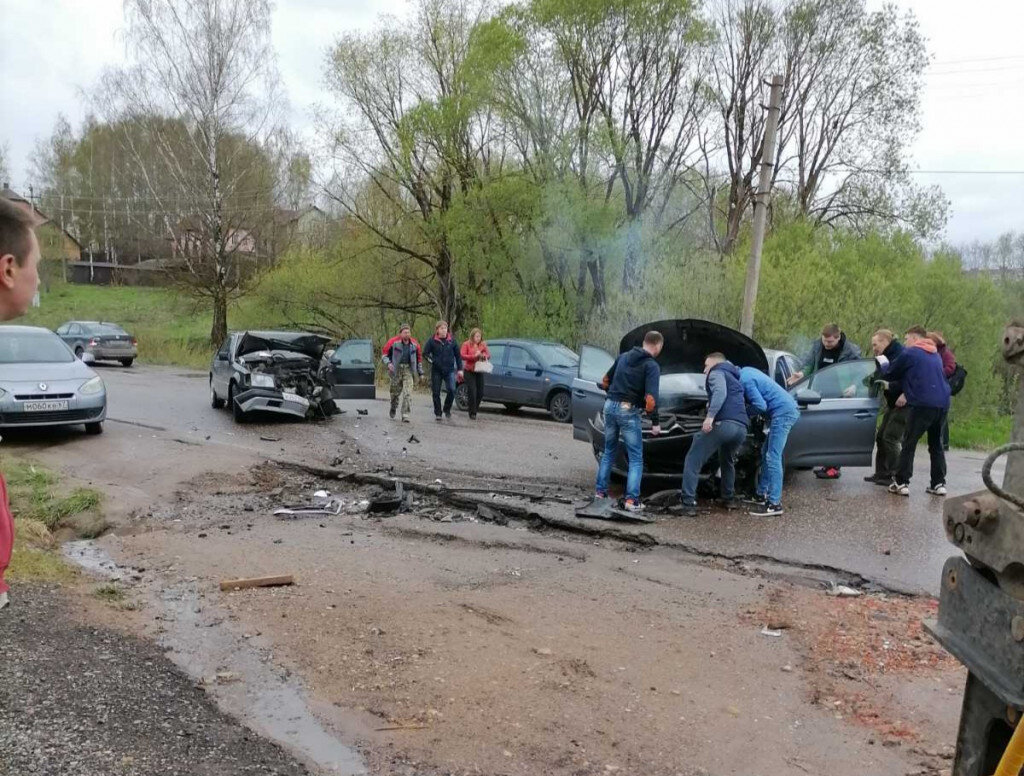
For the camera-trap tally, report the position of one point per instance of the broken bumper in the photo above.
(270, 400)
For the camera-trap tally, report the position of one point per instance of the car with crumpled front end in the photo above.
(42, 383)
(838, 407)
(277, 372)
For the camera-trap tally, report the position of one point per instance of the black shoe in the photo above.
(768, 510)
(472, 417)
(875, 478)
(755, 500)
(437, 418)
(448, 416)
(684, 510)
(392, 413)
(728, 503)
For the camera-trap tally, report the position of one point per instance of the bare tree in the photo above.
(5, 164)
(202, 82)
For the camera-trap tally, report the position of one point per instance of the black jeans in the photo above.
(437, 379)
(475, 388)
(921, 420)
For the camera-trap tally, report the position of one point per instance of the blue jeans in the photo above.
(437, 377)
(627, 422)
(725, 439)
(769, 480)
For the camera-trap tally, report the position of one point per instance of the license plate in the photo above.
(295, 398)
(44, 406)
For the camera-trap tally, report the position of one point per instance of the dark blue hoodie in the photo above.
(634, 378)
(725, 394)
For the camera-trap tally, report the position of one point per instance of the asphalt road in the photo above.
(846, 524)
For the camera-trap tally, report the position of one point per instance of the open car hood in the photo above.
(688, 341)
(312, 345)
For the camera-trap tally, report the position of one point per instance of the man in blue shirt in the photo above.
(723, 432)
(765, 397)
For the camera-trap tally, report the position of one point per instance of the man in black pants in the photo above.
(445, 364)
(919, 370)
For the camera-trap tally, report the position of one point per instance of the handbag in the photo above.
(483, 367)
(957, 380)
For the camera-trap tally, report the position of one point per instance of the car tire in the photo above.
(94, 428)
(462, 397)
(79, 352)
(560, 406)
(237, 412)
(513, 407)
(215, 401)
(127, 361)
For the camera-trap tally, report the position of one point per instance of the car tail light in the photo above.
(135, 342)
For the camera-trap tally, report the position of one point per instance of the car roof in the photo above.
(522, 341)
(10, 328)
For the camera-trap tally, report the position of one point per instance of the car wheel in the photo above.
(215, 401)
(560, 406)
(94, 428)
(462, 397)
(127, 361)
(513, 407)
(237, 412)
(79, 352)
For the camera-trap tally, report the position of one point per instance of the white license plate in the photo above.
(295, 398)
(44, 406)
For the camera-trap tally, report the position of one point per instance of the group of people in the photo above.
(450, 364)
(914, 380)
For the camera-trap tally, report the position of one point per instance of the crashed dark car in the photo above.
(838, 407)
(280, 372)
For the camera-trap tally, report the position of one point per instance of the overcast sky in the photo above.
(973, 111)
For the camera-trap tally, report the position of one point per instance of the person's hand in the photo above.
(391, 369)
(795, 378)
(462, 375)
(708, 425)
(850, 392)
(655, 430)
(902, 400)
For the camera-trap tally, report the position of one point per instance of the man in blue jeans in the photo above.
(632, 386)
(724, 430)
(766, 397)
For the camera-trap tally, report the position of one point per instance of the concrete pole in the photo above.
(761, 196)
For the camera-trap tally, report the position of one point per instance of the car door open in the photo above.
(353, 370)
(587, 397)
(838, 414)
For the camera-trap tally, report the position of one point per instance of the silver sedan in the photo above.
(43, 384)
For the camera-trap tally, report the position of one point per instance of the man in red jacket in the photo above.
(19, 281)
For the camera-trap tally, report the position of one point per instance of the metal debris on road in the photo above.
(396, 501)
(843, 591)
(413, 440)
(331, 506)
(248, 582)
(363, 412)
(607, 509)
(270, 439)
(766, 631)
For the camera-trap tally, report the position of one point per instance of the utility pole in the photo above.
(764, 188)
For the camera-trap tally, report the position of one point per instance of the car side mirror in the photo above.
(805, 397)
(222, 356)
(88, 358)
(536, 368)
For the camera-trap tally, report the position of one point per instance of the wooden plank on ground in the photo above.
(242, 584)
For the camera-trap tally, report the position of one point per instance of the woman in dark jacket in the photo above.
(948, 367)
(474, 351)
(445, 363)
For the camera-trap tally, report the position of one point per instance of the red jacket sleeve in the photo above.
(386, 350)
(468, 355)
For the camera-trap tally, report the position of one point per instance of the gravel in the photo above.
(81, 701)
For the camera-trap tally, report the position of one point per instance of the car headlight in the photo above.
(262, 381)
(91, 387)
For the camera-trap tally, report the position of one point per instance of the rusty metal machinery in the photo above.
(981, 603)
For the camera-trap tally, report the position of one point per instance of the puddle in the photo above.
(264, 698)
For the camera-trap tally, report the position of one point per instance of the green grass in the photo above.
(31, 564)
(983, 432)
(110, 593)
(34, 494)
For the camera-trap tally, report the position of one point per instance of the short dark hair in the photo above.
(404, 327)
(654, 338)
(15, 230)
(831, 330)
(920, 331)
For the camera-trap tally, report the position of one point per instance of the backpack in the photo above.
(956, 380)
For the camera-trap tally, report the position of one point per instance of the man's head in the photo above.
(915, 334)
(712, 360)
(405, 332)
(441, 329)
(938, 338)
(880, 340)
(19, 260)
(654, 341)
(830, 336)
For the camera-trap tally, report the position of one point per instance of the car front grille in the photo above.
(61, 416)
(43, 396)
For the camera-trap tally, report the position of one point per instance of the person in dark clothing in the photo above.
(724, 430)
(404, 360)
(894, 412)
(948, 368)
(832, 348)
(919, 370)
(632, 386)
(446, 364)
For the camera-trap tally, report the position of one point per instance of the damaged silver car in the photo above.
(281, 372)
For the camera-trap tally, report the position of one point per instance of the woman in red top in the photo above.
(474, 351)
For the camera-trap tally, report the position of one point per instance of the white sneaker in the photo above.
(937, 490)
(899, 490)
(4, 600)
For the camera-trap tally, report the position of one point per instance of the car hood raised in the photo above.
(689, 340)
(312, 345)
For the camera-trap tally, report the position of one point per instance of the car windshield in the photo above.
(105, 328)
(33, 348)
(557, 355)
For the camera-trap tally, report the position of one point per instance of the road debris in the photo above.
(363, 412)
(608, 509)
(248, 582)
(396, 501)
(843, 591)
(270, 439)
(413, 440)
(766, 631)
(330, 506)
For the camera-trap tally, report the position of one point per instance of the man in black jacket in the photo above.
(894, 412)
(446, 362)
(632, 386)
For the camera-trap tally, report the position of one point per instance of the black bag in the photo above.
(957, 379)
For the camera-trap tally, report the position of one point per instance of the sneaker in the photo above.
(633, 506)
(899, 489)
(405, 419)
(936, 490)
(728, 503)
(877, 478)
(768, 510)
(4, 600)
(392, 413)
(756, 500)
(600, 494)
(437, 418)
(828, 473)
(685, 510)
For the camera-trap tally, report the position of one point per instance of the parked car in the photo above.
(282, 372)
(834, 429)
(42, 383)
(105, 341)
(529, 373)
